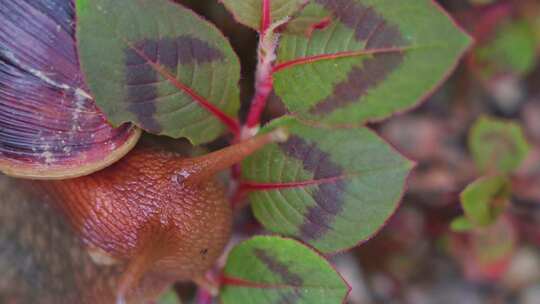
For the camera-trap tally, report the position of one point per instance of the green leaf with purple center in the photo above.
(332, 188)
(461, 224)
(512, 50)
(375, 58)
(494, 244)
(485, 199)
(269, 270)
(497, 145)
(159, 65)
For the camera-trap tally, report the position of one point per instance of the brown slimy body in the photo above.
(43, 261)
(155, 212)
(143, 199)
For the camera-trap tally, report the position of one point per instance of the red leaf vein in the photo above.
(316, 58)
(227, 120)
(246, 185)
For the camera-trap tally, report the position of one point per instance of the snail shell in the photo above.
(50, 128)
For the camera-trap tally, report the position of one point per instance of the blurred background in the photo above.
(416, 258)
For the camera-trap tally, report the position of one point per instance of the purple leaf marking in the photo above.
(328, 196)
(142, 78)
(286, 275)
(374, 30)
(384, 49)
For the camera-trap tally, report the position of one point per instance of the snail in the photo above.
(154, 211)
(42, 260)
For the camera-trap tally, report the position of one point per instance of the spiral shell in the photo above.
(50, 127)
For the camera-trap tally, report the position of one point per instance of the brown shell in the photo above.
(50, 128)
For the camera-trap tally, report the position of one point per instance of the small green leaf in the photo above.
(461, 224)
(512, 50)
(170, 297)
(268, 270)
(375, 58)
(497, 145)
(250, 12)
(159, 65)
(331, 188)
(485, 199)
(494, 244)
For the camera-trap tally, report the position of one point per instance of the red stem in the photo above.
(264, 81)
(263, 85)
(263, 89)
(239, 198)
(203, 297)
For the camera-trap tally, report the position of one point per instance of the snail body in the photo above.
(154, 210)
(42, 260)
(142, 200)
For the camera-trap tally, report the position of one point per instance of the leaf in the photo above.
(305, 24)
(497, 145)
(485, 199)
(250, 12)
(495, 243)
(331, 188)
(485, 253)
(513, 50)
(461, 224)
(279, 270)
(376, 58)
(159, 65)
(170, 297)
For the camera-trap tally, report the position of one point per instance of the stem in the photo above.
(239, 198)
(263, 88)
(264, 82)
(203, 297)
(207, 287)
